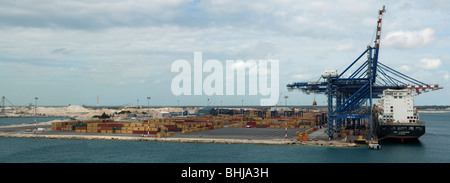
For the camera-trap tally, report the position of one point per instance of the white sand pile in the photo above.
(77, 109)
(72, 110)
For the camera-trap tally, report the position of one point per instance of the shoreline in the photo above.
(32, 124)
(434, 111)
(185, 140)
(32, 116)
(316, 138)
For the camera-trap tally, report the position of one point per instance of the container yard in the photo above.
(254, 126)
(190, 124)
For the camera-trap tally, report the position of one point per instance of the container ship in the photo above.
(398, 118)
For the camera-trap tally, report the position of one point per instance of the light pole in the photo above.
(179, 107)
(285, 100)
(35, 106)
(148, 105)
(242, 106)
(3, 105)
(148, 114)
(285, 118)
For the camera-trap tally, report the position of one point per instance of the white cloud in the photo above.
(301, 77)
(94, 40)
(429, 63)
(405, 68)
(89, 14)
(443, 75)
(244, 64)
(409, 39)
(280, 13)
(345, 47)
(93, 70)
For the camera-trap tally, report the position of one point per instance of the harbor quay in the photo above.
(295, 128)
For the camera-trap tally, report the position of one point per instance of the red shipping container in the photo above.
(115, 125)
(139, 132)
(173, 129)
(106, 128)
(261, 126)
(103, 125)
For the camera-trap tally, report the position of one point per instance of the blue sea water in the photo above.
(433, 147)
(27, 120)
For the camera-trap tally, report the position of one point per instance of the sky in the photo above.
(70, 52)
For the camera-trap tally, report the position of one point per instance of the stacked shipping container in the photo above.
(167, 126)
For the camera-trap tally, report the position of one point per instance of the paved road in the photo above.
(243, 133)
(219, 133)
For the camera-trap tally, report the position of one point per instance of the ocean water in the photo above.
(433, 147)
(27, 120)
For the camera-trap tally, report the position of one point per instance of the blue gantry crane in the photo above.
(365, 83)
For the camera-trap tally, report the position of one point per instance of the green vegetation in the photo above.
(103, 116)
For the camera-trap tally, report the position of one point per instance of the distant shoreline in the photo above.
(434, 111)
(27, 116)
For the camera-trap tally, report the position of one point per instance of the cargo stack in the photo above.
(233, 126)
(81, 127)
(92, 128)
(71, 125)
(302, 137)
(168, 126)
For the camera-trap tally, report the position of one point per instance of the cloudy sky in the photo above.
(70, 52)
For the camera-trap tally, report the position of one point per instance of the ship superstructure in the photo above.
(397, 106)
(398, 118)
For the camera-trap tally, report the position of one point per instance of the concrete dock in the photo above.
(260, 136)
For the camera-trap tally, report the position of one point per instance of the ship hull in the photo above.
(412, 131)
